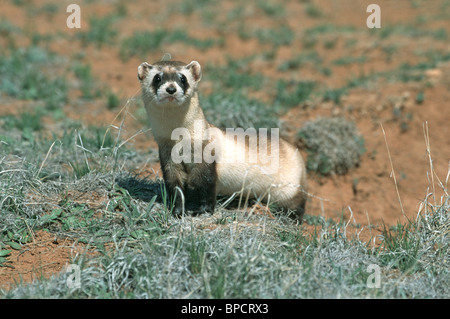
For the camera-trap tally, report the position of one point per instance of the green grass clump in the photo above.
(349, 60)
(7, 29)
(276, 36)
(234, 76)
(238, 111)
(313, 11)
(141, 43)
(293, 93)
(25, 124)
(29, 74)
(333, 145)
(112, 100)
(83, 72)
(24, 121)
(422, 244)
(283, 35)
(101, 31)
(311, 57)
(334, 95)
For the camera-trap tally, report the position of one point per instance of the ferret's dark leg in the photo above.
(174, 176)
(300, 211)
(201, 188)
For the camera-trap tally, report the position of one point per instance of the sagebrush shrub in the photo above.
(334, 145)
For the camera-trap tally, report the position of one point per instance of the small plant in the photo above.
(402, 241)
(236, 110)
(420, 97)
(290, 93)
(143, 42)
(334, 95)
(197, 255)
(312, 58)
(112, 100)
(313, 11)
(235, 76)
(330, 44)
(84, 74)
(349, 60)
(98, 138)
(7, 29)
(271, 9)
(101, 31)
(29, 74)
(333, 144)
(276, 37)
(24, 121)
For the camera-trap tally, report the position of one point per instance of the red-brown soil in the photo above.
(45, 256)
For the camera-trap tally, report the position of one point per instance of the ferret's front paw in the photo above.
(177, 211)
(204, 208)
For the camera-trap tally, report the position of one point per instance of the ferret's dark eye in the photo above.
(183, 79)
(157, 78)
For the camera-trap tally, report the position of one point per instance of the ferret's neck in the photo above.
(163, 120)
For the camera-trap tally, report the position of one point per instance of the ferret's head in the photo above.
(169, 82)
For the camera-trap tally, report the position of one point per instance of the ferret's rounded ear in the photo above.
(143, 70)
(195, 69)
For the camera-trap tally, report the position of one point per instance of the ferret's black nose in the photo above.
(171, 90)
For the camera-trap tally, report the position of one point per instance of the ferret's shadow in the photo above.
(143, 189)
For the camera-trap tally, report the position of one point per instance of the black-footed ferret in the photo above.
(202, 161)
